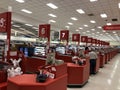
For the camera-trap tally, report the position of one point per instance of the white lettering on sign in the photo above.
(2, 22)
(75, 37)
(83, 39)
(43, 31)
(63, 34)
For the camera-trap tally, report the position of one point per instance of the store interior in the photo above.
(59, 44)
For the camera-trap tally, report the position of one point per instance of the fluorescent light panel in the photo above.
(52, 21)
(34, 27)
(22, 28)
(92, 21)
(67, 27)
(80, 11)
(103, 15)
(16, 26)
(80, 28)
(99, 27)
(77, 30)
(74, 18)
(85, 25)
(51, 5)
(109, 24)
(28, 25)
(93, 29)
(20, 1)
(93, 0)
(119, 5)
(26, 11)
(70, 23)
(52, 15)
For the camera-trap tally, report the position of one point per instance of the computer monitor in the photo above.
(60, 50)
(40, 51)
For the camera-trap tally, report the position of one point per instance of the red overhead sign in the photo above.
(76, 37)
(89, 40)
(112, 27)
(84, 39)
(44, 31)
(5, 21)
(64, 35)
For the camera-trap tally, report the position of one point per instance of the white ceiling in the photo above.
(66, 10)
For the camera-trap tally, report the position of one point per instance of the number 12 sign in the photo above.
(64, 35)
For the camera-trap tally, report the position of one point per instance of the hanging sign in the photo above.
(44, 31)
(93, 41)
(76, 37)
(84, 39)
(5, 21)
(112, 27)
(64, 35)
(89, 40)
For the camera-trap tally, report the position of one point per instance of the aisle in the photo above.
(108, 77)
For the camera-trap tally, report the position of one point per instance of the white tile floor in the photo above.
(108, 77)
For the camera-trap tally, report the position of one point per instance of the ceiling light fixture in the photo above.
(92, 21)
(70, 23)
(77, 30)
(34, 27)
(85, 25)
(80, 28)
(103, 15)
(80, 11)
(52, 15)
(16, 26)
(93, 29)
(119, 5)
(67, 27)
(29, 25)
(20, 1)
(104, 31)
(93, 0)
(109, 24)
(26, 11)
(51, 5)
(22, 28)
(99, 27)
(74, 18)
(52, 21)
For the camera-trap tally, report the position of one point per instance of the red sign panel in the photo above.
(5, 21)
(89, 40)
(93, 41)
(44, 31)
(64, 35)
(84, 39)
(76, 37)
(111, 27)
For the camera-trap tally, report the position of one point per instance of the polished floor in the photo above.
(108, 77)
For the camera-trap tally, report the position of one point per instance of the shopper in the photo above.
(93, 58)
(86, 52)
